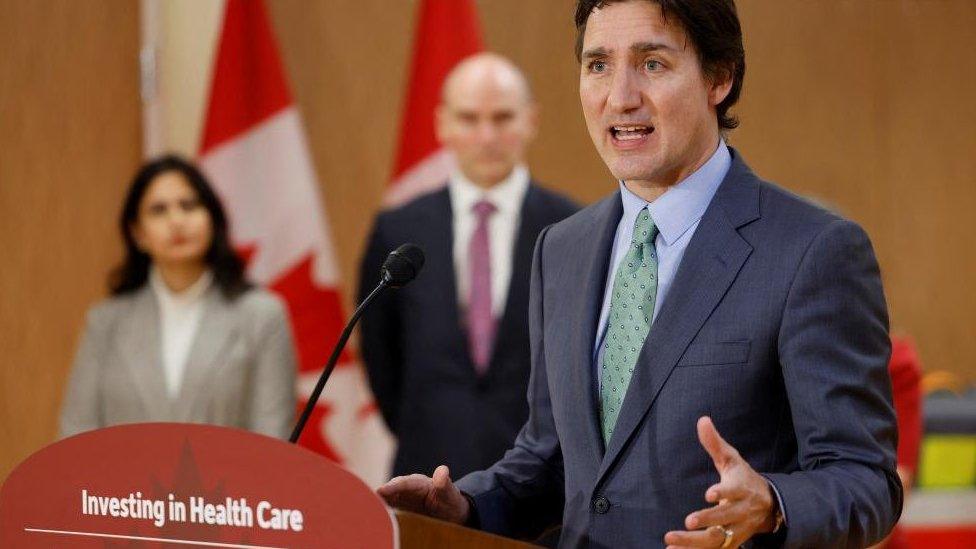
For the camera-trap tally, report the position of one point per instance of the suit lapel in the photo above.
(594, 259)
(443, 276)
(140, 348)
(710, 264)
(513, 320)
(215, 330)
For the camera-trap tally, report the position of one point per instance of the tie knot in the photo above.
(645, 231)
(483, 208)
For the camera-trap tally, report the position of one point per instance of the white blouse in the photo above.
(180, 314)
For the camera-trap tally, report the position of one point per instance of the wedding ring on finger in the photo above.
(727, 532)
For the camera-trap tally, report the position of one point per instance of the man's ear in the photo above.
(440, 123)
(719, 86)
(533, 115)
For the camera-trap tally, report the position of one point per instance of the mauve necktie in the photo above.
(481, 321)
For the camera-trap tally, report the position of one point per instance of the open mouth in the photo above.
(631, 132)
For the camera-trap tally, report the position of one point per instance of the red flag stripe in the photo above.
(249, 84)
(316, 316)
(447, 31)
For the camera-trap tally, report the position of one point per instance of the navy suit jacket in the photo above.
(415, 346)
(775, 326)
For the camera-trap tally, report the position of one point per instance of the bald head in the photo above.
(485, 72)
(486, 117)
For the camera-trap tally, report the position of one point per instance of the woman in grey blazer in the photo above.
(183, 337)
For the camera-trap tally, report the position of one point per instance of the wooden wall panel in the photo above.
(69, 141)
(347, 61)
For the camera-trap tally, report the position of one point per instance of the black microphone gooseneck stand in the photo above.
(400, 267)
(336, 351)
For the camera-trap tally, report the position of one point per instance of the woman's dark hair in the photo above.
(227, 267)
(711, 25)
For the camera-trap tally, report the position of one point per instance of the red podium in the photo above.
(166, 485)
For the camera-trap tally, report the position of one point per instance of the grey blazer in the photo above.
(240, 370)
(775, 326)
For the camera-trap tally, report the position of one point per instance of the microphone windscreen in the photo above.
(403, 265)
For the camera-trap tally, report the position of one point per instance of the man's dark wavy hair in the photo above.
(227, 267)
(713, 28)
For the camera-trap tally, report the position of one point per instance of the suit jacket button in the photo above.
(601, 505)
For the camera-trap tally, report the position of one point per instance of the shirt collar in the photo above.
(507, 195)
(681, 206)
(188, 296)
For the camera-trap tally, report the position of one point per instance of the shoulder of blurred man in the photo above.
(436, 203)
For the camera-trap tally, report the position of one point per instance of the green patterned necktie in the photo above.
(629, 321)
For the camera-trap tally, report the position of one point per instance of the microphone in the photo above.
(401, 266)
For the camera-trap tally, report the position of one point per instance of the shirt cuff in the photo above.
(779, 500)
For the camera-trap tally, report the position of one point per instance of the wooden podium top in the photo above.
(418, 531)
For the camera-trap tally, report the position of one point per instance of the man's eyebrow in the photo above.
(594, 53)
(640, 47)
(645, 47)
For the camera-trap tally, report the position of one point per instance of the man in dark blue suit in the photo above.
(448, 356)
(696, 300)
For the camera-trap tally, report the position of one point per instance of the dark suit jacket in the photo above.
(415, 346)
(775, 326)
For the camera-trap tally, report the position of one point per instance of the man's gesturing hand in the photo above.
(436, 497)
(745, 504)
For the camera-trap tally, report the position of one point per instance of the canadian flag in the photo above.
(254, 150)
(447, 31)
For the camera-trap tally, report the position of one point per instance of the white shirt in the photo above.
(180, 315)
(507, 197)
